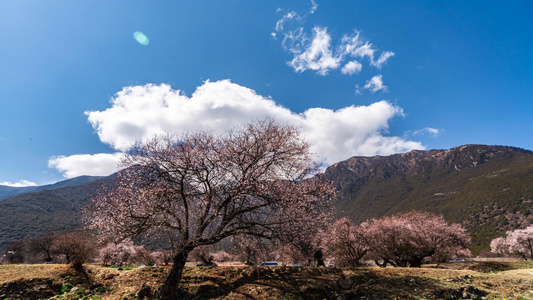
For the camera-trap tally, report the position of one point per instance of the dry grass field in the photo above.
(473, 280)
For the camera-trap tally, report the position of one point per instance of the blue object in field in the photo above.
(269, 264)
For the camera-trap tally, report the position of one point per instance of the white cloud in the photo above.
(294, 40)
(101, 164)
(21, 183)
(352, 67)
(286, 17)
(353, 45)
(358, 90)
(139, 112)
(375, 84)
(314, 6)
(382, 59)
(428, 130)
(318, 55)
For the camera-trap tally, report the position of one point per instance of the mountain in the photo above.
(49, 210)
(489, 189)
(8, 191)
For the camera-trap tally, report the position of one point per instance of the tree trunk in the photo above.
(169, 290)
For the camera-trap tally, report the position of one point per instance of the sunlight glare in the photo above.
(141, 38)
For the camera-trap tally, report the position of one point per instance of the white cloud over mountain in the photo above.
(139, 112)
(21, 183)
(100, 164)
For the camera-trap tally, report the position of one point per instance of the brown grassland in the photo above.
(472, 280)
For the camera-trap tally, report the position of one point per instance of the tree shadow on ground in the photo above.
(322, 283)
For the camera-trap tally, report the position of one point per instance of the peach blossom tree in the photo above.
(117, 253)
(519, 242)
(201, 188)
(407, 239)
(345, 243)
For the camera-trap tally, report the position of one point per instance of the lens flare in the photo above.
(141, 38)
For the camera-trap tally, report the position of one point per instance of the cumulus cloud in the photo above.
(352, 67)
(21, 183)
(139, 112)
(101, 164)
(375, 84)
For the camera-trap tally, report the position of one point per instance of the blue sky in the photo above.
(358, 77)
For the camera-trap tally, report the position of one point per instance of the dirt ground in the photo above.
(473, 280)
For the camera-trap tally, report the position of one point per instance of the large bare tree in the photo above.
(254, 180)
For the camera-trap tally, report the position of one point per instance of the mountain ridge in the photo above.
(50, 210)
(9, 191)
(487, 188)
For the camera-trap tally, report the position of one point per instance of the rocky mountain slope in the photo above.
(489, 189)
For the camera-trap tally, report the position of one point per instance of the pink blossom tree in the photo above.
(117, 253)
(406, 239)
(143, 256)
(202, 188)
(221, 256)
(345, 243)
(519, 242)
(301, 240)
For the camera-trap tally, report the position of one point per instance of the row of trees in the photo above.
(399, 240)
(79, 247)
(74, 248)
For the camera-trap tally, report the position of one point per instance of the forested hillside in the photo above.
(37, 213)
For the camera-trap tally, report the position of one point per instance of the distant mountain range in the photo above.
(51, 208)
(489, 189)
(9, 191)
